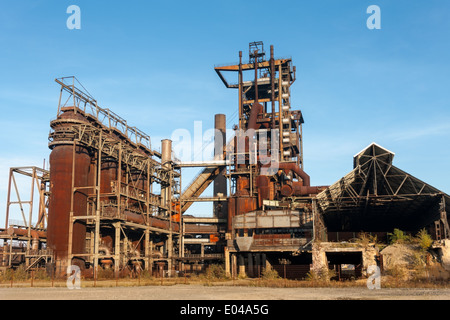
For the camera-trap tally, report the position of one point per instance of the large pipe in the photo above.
(166, 152)
(297, 189)
(152, 222)
(35, 234)
(290, 166)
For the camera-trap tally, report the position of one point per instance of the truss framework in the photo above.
(21, 211)
(376, 190)
(109, 139)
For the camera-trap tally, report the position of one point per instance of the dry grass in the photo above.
(387, 281)
(421, 276)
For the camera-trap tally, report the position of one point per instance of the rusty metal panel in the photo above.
(268, 219)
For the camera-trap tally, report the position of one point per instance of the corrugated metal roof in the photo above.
(377, 196)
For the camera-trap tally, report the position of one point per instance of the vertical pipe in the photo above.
(41, 218)
(59, 102)
(301, 147)
(147, 189)
(119, 181)
(166, 192)
(98, 206)
(220, 182)
(256, 77)
(240, 91)
(117, 249)
(272, 83)
(30, 216)
(30, 213)
(182, 226)
(166, 157)
(280, 114)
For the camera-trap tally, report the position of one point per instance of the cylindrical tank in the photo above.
(108, 175)
(60, 199)
(62, 167)
(166, 152)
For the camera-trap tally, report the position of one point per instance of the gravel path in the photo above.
(199, 292)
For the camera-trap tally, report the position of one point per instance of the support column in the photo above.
(319, 258)
(117, 249)
(258, 264)
(241, 263)
(146, 249)
(125, 250)
(228, 271)
(250, 264)
(97, 211)
(151, 257)
(233, 265)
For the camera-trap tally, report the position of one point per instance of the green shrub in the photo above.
(424, 239)
(215, 272)
(270, 274)
(398, 236)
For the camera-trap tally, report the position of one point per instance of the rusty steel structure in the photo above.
(111, 201)
(102, 209)
(271, 204)
(25, 235)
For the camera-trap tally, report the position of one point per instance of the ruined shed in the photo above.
(377, 197)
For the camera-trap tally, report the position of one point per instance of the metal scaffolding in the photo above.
(24, 238)
(123, 217)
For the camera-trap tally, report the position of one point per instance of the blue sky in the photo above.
(152, 62)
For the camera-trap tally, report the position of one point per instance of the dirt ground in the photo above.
(201, 292)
